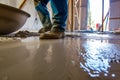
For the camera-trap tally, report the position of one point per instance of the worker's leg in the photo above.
(60, 13)
(44, 15)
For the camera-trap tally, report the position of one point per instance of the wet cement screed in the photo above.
(83, 57)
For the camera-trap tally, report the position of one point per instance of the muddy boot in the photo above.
(52, 35)
(45, 29)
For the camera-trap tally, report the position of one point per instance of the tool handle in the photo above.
(22, 4)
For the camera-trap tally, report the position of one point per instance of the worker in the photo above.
(54, 29)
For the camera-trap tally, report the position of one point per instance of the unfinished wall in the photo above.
(77, 19)
(114, 15)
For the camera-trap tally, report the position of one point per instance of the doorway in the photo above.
(96, 19)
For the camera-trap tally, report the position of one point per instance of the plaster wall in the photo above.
(115, 15)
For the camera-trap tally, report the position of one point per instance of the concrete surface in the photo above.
(83, 57)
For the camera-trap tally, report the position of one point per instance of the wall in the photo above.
(77, 16)
(115, 15)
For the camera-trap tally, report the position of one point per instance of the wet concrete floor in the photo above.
(81, 57)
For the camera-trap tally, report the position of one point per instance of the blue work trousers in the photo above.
(59, 13)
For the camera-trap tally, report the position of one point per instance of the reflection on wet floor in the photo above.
(82, 57)
(97, 57)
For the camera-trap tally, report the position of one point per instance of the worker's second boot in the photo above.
(44, 29)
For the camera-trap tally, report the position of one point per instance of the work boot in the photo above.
(45, 29)
(52, 35)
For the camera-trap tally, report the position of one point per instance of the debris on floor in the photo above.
(21, 34)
